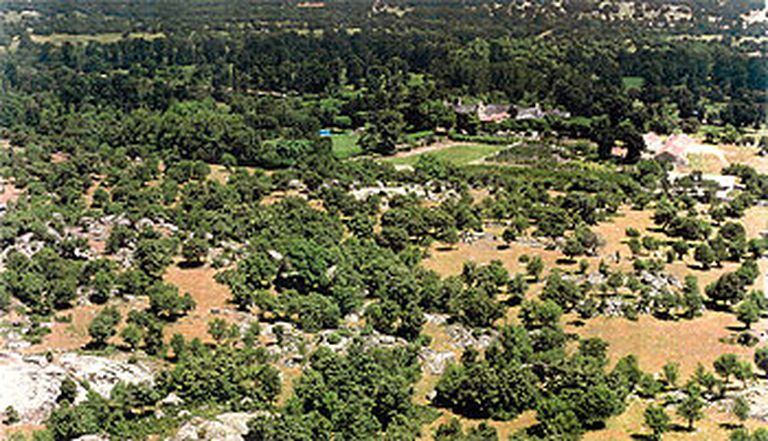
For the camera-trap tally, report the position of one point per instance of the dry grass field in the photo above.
(211, 298)
(629, 425)
(59, 39)
(656, 342)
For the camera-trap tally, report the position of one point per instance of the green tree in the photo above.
(692, 300)
(132, 336)
(534, 267)
(536, 315)
(179, 345)
(67, 391)
(509, 235)
(573, 248)
(743, 372)
(218, 329)
(671, 372)
(657, 419)
(251, 334)
(103, 283)
(740, 408)
(726, 365)
(727, 289)
(691, 408)
(152, 256)
(194, 250)
(166, 303)
(748, 312)
(564, 292)
(384, 132)
(559, 419)
(103, 326)
(11, 416)
(761, 359)
(664, 214)
(704, 255)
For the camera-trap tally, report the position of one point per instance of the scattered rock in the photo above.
(172, 400)
(435, 362)
(436, 319)
(462, 337)
(91, 438)
(757, 396)
(225, 427)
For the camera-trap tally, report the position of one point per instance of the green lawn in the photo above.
(417, 136)
(458, 155)
(633, 82)
(345, 145)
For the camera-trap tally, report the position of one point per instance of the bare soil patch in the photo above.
(504, 428)
(211, 298)
(656, 342)
(449, 262)
(747, 155)
(9, 192)
(712, 428)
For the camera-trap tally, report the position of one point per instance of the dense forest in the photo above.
(295, 150)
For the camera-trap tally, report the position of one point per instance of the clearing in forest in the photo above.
(457, 153)
(211, 300)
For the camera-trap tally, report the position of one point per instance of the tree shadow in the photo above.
(184, 264)
(513, 301)
(565, 261)
(730, 426)
(676, 427)
(641, 437)
(717, 306)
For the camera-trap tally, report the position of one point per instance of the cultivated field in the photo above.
(457, 153)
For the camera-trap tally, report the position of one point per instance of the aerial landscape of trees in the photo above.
(383, 220)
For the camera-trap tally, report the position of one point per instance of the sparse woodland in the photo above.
(385, 264)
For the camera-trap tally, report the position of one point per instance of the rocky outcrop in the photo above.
(757, 396)
(463, 337)
(31, 383)
(435, 362)
(225, 427)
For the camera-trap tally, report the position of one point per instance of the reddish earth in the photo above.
(22, 429)
(10, 193)
(504, 428)
(449, 261)
(630, 425)
(748, 155)
(656, 342)
(311, 5)
(73, 334)
(209, 295)
(278, 196)
(59, 157)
